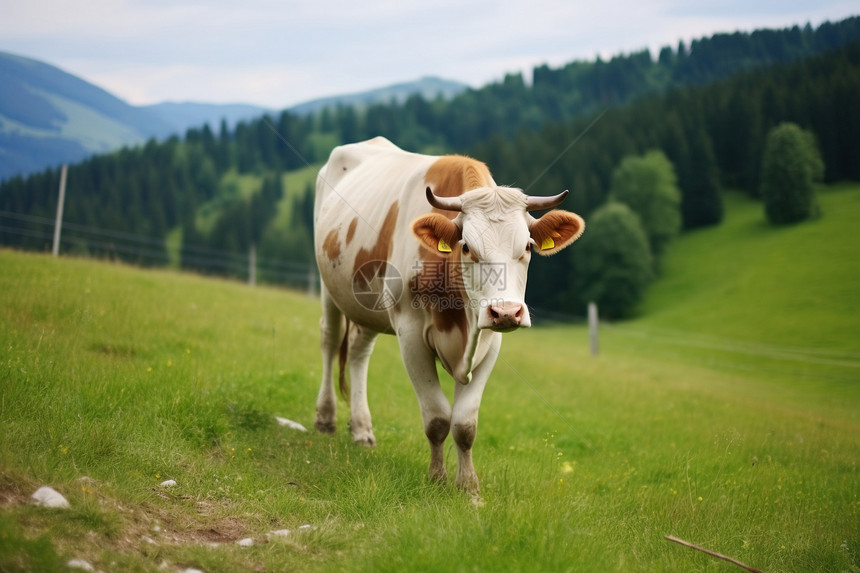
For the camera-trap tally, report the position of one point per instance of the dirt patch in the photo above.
(14, 492)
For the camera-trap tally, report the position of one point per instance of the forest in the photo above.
(707, 107)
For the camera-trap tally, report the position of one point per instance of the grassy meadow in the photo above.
(727, 415)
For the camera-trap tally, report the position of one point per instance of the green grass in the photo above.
(709, 418)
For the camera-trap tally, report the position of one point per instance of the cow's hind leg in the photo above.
(332, 327)
(361, 341)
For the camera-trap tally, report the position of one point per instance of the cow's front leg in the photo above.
(420, 364)
(467, 402)
(361, 343)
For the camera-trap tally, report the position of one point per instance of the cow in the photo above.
(431, 250)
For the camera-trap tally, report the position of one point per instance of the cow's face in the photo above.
(490, 244)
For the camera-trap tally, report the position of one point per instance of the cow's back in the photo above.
(366, 196)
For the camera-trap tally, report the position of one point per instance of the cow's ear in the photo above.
(556, 230)
(436, 233)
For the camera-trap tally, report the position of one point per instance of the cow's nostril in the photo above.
(493, 312)
(519, 313)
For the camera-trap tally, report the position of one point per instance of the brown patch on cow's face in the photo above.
(453, 175)
(438, 287)
(448, 176)
(331, 246)
(350, 232)
(377, 255)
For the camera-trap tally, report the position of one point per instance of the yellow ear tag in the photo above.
(547, 244)
(443, 247)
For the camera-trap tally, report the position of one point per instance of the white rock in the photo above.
(290, 424)
(307, 526)
(279, 533)
(80, 564)
(168, 483)
(247, 542)
(49, 497)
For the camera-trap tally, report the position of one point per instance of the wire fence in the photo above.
(85, 240)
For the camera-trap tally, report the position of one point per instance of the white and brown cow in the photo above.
(431, 250)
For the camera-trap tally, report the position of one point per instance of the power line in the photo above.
(151, 249)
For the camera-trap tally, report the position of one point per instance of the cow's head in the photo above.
(492, 238)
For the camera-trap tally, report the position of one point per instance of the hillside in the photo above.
(48, 116)
(428, 88)
(183, 115)
(751, 282)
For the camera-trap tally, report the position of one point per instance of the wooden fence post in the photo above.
(252, 265)
(312, 282)
(58, 223)
(592, 328)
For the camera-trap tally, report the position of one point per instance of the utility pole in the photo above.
(58, 224)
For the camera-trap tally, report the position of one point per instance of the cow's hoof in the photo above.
(469, 484)
(325, 427)
(438, 475)
(367, 440)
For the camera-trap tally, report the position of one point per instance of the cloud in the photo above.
(279, 53)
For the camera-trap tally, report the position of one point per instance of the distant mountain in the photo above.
(184, 115)
(428, 87)
(49, 117)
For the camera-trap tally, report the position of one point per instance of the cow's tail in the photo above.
(343, 381)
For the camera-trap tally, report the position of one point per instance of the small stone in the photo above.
(79, 564)
(290, 424)
(168, 483)
(279, 533)
(247, 542)
(49, 497)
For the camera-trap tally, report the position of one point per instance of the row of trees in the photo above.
(620, 255)
(532, 136)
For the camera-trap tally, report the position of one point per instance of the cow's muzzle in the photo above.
(505, 317)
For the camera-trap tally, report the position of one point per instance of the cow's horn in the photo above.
(541, 203)
(445, 203)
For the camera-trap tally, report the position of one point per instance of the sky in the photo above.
(280, 53)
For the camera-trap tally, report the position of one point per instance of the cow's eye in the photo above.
(528, 247)
(465, 248)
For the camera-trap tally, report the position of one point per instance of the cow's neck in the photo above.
(458, 342)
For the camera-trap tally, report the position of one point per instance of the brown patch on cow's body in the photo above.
(380, 252)
(331, 246)
(350, 231)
